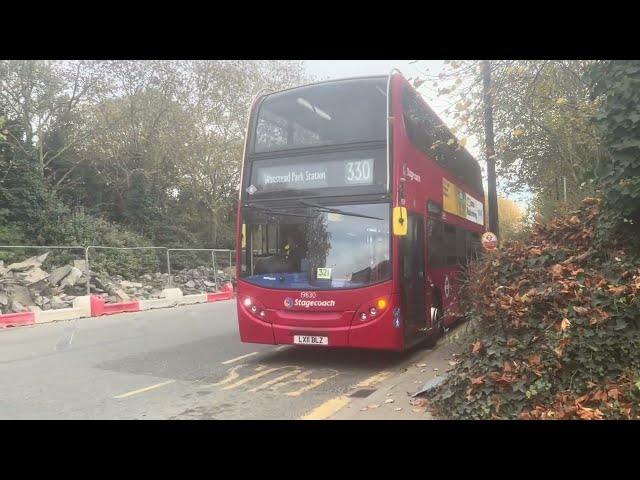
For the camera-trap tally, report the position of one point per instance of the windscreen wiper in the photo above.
(336, 210)
(277, 212)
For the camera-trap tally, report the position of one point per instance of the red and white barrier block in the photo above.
(94, 306)
(81, 309)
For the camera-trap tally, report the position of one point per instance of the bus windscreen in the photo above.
(344, 246)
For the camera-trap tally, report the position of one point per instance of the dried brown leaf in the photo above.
(582, 399)
(477, 346)
(586, 414)
(581, 310)
(556, 270)
(616, 291)
(421, 402)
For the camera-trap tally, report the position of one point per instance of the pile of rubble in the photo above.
(26, 286)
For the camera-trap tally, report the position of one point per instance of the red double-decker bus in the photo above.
(357, 207)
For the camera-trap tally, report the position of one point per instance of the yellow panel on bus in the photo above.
(453, 199)
(460, 203)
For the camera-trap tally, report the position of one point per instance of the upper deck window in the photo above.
(332, 113)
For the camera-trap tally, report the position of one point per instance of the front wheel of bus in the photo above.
(437, 319)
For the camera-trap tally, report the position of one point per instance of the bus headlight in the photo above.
(254, 308)
(373, 309)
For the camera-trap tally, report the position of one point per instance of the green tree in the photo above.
(542, 121)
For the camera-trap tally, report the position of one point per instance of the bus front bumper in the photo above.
(384, 332)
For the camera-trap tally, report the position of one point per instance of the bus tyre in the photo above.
(437, 319)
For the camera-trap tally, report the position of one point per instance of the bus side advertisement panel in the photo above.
(458, 202)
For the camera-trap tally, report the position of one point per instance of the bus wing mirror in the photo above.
(400, 221)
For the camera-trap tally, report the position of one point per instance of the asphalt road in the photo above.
(180, 363)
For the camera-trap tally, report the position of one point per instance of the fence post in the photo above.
(87, 270)
(169, 268)
(215, 270)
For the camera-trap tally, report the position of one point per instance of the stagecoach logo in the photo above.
(408, 173)
(288, 302)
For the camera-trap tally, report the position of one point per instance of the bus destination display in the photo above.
(333, 173)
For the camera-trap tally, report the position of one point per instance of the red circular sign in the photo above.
(489, 240)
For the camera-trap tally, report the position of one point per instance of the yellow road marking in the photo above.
(312, 382)
(372, 380)
(145, 389)
(328, 408)
(239, 358)
(334, 405)
(233, 375)
(248, 379)
(275, 380)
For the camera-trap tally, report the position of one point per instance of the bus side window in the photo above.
(417, 122)
(435, 245)
(450, 244)
(473, 245)
(461, 245)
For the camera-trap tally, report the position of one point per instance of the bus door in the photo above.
(412, 276)
(436, 266)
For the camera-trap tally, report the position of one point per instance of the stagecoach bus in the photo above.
(357, 208)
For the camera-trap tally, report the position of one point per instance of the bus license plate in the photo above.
(310, 340)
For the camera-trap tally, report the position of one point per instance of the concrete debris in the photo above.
(26, 284)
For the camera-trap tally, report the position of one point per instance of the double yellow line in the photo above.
(335, 404)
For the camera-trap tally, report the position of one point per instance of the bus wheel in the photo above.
(437, 319)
